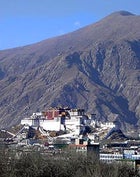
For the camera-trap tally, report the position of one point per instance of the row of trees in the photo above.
(66, 164)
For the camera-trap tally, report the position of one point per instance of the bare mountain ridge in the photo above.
(96, 67)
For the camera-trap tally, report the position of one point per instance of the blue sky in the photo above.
(24, 22)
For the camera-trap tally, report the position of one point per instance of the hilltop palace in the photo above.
(72, 121)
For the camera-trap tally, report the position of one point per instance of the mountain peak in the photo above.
(96, 68)
(123, 13)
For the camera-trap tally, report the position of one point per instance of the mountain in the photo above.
(96, 68)
(116, 134)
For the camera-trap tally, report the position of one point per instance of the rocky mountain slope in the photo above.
(96, 68)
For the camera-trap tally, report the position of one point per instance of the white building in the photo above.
(110, 157)
(74, 120)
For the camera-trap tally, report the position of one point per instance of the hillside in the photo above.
(96, 68)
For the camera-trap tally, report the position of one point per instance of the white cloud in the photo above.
(61, 32)
(77, 24)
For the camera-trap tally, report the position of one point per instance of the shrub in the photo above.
(66, 164)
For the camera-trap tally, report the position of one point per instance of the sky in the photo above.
(24, 22)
